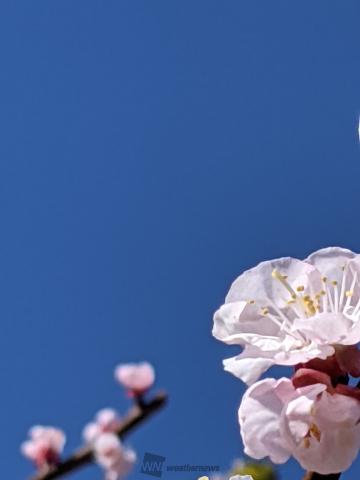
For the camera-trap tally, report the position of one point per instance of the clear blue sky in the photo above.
(150, 150)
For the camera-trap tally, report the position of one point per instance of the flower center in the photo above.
(333, 297)
(313, 432)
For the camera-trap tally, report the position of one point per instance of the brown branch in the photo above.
(317, 476)
(84, 455)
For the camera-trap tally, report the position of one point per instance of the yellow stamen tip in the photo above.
(276, 274)
(306, 442)
(315, 432)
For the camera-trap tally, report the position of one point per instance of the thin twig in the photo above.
(84, 455)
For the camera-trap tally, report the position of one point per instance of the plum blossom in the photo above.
(288, 312)
(106, 420)
(113, 457)
(319, 428)
(136, 378)
(44, 446)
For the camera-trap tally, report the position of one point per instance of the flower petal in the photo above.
(325, 328)
(259, 284)
(248, 366)
(259, 418)
(330, 261)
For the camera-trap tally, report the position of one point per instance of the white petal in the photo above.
(241, 317)
(259, 418)
(330, 261)
(325, 328)
(258, 283)
(90, 432)
(337, 410)
(336, 418)
(298, 413)
(248, 366)
(334, 453)
(303, 354)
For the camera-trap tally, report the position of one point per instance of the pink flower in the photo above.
(106, 420)
(113, 457)
(136, 378)
(320, 429)
(44, 446)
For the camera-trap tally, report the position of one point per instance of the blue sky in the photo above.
(151, 150)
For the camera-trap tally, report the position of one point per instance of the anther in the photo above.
(315, 432)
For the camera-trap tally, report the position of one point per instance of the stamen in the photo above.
(315, 432)
(357, 308)
(325, 298)
(282, 279)
(309, 304)
(343, 286)
(329, 297)
(307, 442)
(285, 324)
(350, 292)
(336, 295)
(265, 311)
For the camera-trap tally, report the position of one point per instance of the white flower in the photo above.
(288, 311)
(44, 446)
(113, 457)
(106, 420)
(321, 430)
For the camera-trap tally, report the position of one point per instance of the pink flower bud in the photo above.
(136, 378)
(106, 420)
(44, 446)
(113, 457)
